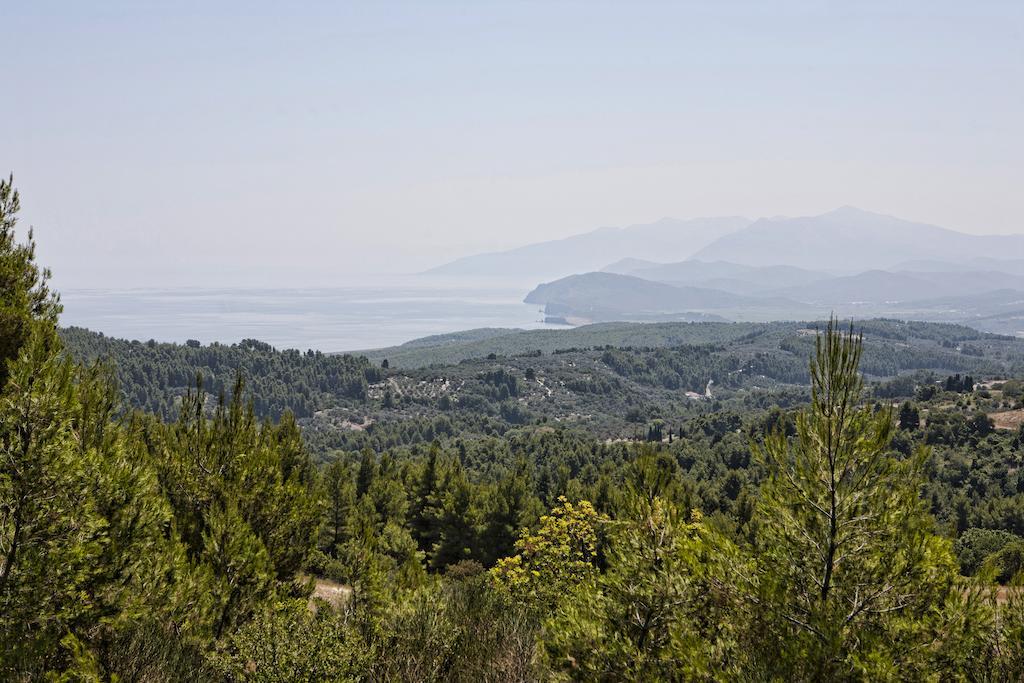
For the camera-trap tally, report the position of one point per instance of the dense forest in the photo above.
(154, 377)
(826, 503)
(613, 388)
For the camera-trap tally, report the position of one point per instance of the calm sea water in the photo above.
(335, 319)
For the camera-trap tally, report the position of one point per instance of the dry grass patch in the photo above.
(1008, 419)
(333, 593)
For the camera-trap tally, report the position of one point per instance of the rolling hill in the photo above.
(730, 277)
(976, 299)
(628, 265)
(480, 344)
(880, 286)
(609, 296)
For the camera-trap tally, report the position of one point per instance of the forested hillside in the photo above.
(451, 349)
(155, 376)
(617, 387)
(821, 505)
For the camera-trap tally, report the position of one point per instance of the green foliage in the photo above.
(974, 546)
(909, 418)
(128, 546)
(661, 610)
(50, 534)
(556, 562)
(634, 376)
(136, 548)
(84, 553)
(513, 507)
(1013, 390)
(457, 524)
(460, 630)
(27, 302)
(155, 377)
(243, 496)
(339, 492)
(290, 642)
(847, 559)
(1005, 564)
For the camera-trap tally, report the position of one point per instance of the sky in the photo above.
(317, 144)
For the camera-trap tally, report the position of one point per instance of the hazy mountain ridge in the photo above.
(936, 297)
(596, 297)
(847, 240)
(730, 277)
(853, 240)
(848, 261)
(668, 238)
(628, 265)
(605, 296)
(982, 263)
(880, 286)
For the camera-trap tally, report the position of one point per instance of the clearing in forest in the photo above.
(1009, 419)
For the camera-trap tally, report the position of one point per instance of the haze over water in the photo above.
(326, 319)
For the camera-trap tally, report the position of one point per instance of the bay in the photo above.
(326, 319)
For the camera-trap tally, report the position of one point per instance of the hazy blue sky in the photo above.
(304, 143)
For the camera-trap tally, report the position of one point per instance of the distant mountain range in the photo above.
(667, 239)
(849, 262)
(844, 241)
(730, 277)
(976, 299)
(850, 239)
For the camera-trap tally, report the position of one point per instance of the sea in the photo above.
(330, 319)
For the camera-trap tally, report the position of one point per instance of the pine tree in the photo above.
(367, 472)
(909, 417)
(847, 554)
(340, 494)
(48, 534)
(458, 537)
(512, 508)
(83, 544)
(426, 505)
(26, 301)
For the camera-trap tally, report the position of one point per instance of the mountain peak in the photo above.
(848, 212)
(667, 239)
(855, 240)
